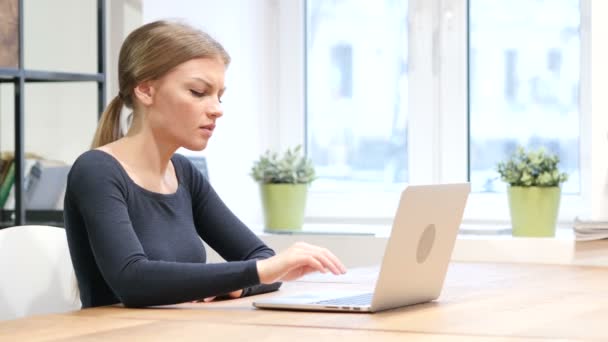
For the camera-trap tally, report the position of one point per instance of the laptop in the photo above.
(415, 260)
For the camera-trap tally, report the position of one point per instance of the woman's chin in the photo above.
(196, 145)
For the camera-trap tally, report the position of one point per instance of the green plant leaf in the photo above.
(533, 168)
(292, 167)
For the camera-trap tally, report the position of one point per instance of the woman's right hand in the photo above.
(297, 261)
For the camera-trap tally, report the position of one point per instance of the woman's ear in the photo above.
(144, 92)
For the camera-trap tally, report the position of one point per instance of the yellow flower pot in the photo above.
(534, 210)
(284, 206)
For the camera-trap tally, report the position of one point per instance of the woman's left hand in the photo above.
(231, 295)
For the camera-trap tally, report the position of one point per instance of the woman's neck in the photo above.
(146, 149)
(146, 162)
(145, 152)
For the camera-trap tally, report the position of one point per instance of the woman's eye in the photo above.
(196, 93)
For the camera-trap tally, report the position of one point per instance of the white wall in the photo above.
(61, 35)
(247, 30)
(597, 130)
(123, 17)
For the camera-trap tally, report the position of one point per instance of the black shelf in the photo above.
(50, 76)
(9, 73)
(9, 76)
(19, 76)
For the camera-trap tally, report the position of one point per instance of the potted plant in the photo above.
(534, 191)
(284, 182)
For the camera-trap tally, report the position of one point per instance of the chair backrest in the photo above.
(36, 273)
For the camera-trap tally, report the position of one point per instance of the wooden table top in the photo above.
(479, 302)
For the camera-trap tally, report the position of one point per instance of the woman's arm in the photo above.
(222, 230)
(225, 233)
(230, 237)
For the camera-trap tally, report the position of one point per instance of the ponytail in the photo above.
(108, 129)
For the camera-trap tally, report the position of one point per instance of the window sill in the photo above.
(362, 245)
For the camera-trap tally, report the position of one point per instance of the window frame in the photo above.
(443, 155)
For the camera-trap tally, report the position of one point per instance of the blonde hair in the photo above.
(148, 53)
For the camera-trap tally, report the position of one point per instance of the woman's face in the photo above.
(186, 103)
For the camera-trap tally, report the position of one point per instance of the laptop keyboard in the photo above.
(358, 300)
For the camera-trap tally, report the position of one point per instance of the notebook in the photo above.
(415, 261)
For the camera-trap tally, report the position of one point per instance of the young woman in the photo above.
(135, 211)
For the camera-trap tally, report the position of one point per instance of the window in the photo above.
(357, 90)
(525, 87)
(428, 91)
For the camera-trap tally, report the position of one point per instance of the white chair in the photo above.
(36, 273)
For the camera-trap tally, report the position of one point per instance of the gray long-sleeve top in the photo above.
(142, 248)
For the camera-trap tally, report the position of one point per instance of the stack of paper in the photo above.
(587, 230)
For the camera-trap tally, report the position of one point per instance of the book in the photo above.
(3, 165)
(588, 230)
(9, 204)
(44, 183)
(7, 184)
(6, 160)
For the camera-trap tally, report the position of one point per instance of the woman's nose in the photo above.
(216, 110)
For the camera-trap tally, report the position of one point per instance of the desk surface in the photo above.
(480, 302)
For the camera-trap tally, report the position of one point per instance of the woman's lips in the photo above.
(207, 130)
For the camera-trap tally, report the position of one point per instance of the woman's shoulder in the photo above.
(94, 158)
(95, 173)
(180, 158)
(182, 165)
(95, 163)
(186, 170)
